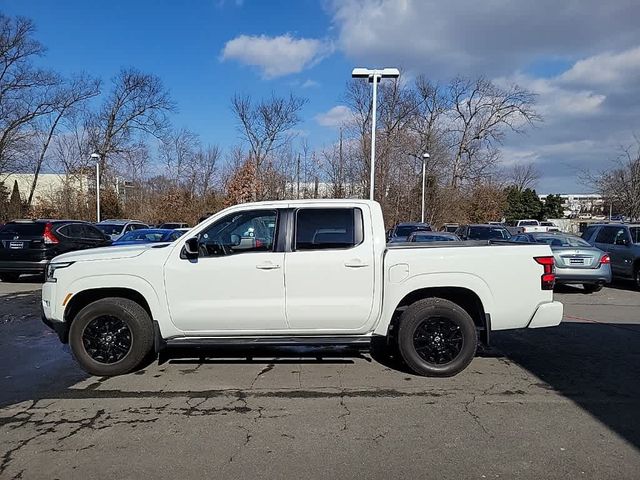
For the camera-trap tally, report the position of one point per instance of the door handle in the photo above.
(355, 263)
(267, 266)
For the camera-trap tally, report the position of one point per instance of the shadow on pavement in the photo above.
(595, 365)
(34, 362)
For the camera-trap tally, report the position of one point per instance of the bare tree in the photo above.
(26, 92)
(266, 126)
(524, 175)
(481, 115)
(137, 104)
(620, 186)
(68, 96)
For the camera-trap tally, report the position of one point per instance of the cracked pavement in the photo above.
(550, 403)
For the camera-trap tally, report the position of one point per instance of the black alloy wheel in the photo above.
(107, 339)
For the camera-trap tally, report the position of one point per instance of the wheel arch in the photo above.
(462, 296)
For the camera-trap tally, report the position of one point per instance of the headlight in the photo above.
(52, 267)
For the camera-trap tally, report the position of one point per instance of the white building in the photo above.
(47, 187)
(578, 205)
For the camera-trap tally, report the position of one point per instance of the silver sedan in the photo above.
(576, 261)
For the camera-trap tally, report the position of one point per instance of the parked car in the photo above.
(450, 227)
(26, 246)
(116, 228)
(550, 226)
(173, 225)
(401, 231)
(482, 232)
(622, 241)
(577, 262)
(424, 237)
(530, 225)
(344, 286)
(148, 235)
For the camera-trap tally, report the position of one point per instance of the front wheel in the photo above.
(636, 277)
(437, 337)
(111, 336)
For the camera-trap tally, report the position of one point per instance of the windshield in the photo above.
(488, 233)
(110, 228)
(561, 240)
(528, 223)
(406, 230)
(143, 236)
(635, 234)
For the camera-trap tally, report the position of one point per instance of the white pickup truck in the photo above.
(313, 272)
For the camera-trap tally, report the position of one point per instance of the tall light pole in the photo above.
(96, 157)
(374, 76)
(425, 157)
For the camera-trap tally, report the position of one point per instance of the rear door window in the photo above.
(607, 235)
(91, 232)
(328, 228)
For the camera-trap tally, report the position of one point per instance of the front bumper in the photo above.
(23, 266)
(53, 317)
(547, 315)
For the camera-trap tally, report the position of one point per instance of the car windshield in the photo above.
(528, 223)
(143, 236)
(635, 234)
(406, 230)
(488, 233)
(432, 238)
(110, 228)
(561, 240)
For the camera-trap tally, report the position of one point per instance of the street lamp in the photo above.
(425, 156)
(96, 157)
(374, 76)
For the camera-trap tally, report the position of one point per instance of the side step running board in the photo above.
(273, 341)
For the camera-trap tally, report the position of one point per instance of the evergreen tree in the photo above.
(15, 202)
(553, 207)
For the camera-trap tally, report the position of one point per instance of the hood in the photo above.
(104, 253)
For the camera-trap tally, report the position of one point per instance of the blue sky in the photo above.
(583, 60)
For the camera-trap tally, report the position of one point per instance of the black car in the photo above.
(27, 246)
(483, 232)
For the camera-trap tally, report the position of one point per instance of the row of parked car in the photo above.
(26, 246)
(604, 252)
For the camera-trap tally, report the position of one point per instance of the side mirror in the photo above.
(235, 240)
(191, 247)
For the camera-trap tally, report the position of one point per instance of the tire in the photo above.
(111, 336)
(636, 277)
(591, 287)
(9, 277)
(430, 315)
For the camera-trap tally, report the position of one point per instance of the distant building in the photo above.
(48, 186)
(581, 205)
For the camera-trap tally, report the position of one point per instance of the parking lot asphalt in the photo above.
(550, 403)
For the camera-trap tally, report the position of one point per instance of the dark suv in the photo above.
(27, 246)
(622, 241)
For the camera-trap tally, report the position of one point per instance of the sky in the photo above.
(582, 58)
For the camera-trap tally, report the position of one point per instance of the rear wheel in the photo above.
(437, 337)
(591, 287)
(9, 277)
(111, 336)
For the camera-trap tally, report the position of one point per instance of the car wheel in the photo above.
(636, 277)
(9, 277)
(111, 336)
(437, 337)
(591, 288)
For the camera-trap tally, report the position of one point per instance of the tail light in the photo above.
(49, 237)
(548, 279)
(606, 259)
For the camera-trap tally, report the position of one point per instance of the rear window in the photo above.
(488, 233)
(110, 229)
(406, 230)
(529, 223)
(26, 229)
(325, 228)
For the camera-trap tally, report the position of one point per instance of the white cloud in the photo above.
(468, 36)
(334, 117)
(605, 69)
(276, 56)
(310, 83)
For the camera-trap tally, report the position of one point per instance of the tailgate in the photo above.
(22, 241)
